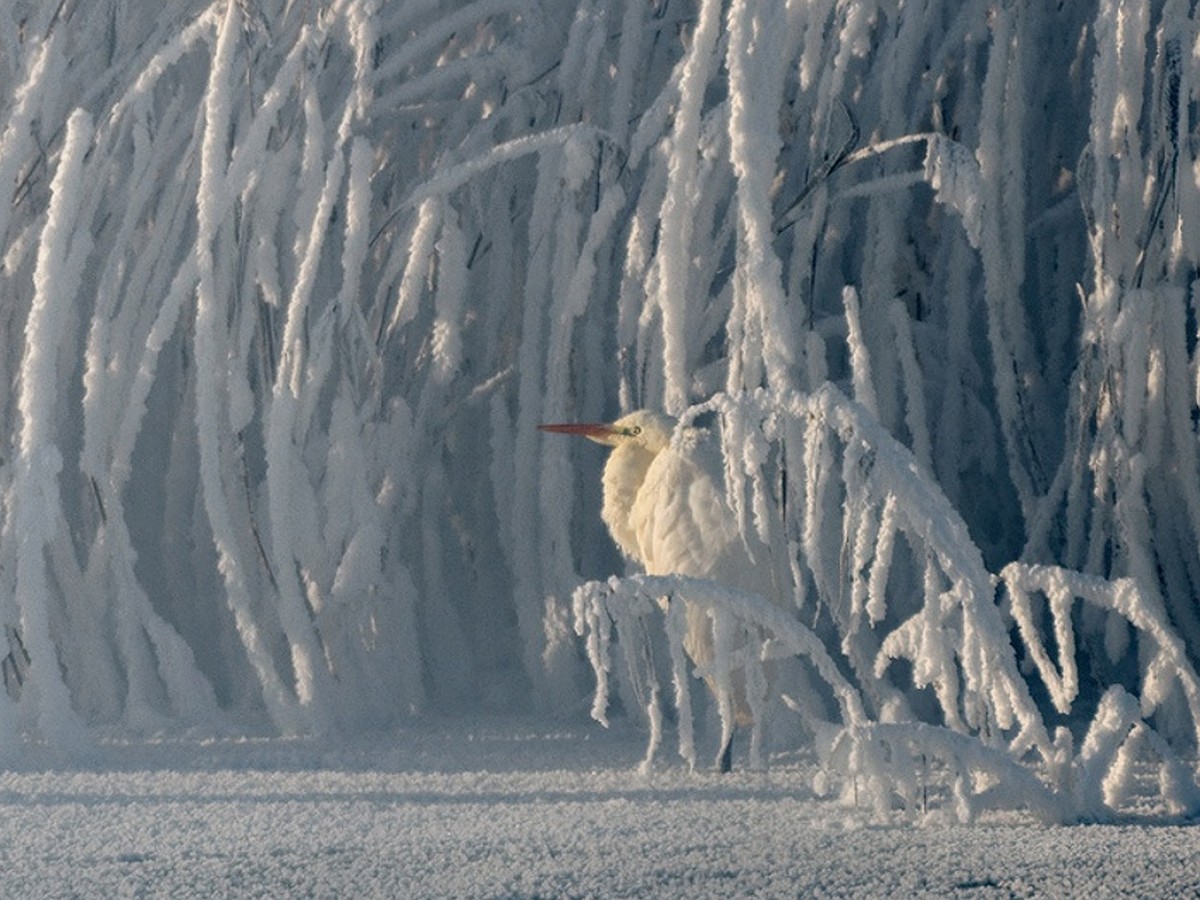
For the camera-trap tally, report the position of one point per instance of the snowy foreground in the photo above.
(513, 808)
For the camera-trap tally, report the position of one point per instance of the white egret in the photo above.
(665, 506)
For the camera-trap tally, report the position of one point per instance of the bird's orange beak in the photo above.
(601, 432)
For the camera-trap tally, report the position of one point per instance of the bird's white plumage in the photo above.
(665, 506)
(683, 522)
(639, 440)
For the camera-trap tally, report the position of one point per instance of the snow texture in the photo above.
(286, 289)
(518, 808)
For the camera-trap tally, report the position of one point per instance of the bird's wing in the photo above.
(682, 522)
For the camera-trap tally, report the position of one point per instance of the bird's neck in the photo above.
(624, 474)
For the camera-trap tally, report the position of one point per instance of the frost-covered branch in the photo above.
(288, 287)
(989, 735)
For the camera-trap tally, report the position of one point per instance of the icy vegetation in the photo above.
(287, 288)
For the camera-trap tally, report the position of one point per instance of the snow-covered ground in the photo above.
(519, 808)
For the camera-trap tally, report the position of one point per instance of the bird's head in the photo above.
(641, 428)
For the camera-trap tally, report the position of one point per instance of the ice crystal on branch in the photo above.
(287, 289)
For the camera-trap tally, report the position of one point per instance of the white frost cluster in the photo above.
(288, 287)
(993, 747)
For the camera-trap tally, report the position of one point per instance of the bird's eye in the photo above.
(633, 431)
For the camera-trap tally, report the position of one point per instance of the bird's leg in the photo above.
(725, 757)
